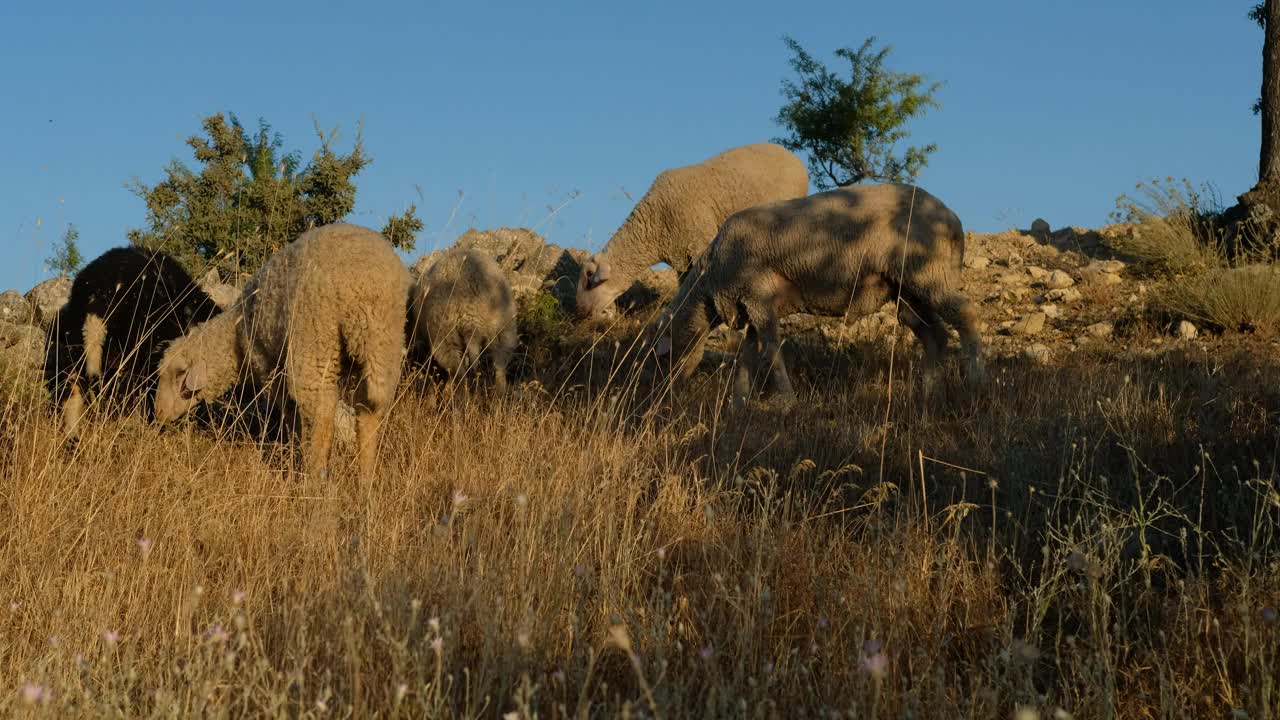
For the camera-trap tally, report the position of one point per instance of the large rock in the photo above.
(48, 297)
(21, 346)
(14, 308)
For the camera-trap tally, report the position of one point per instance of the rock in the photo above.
(531, 263)
(1040, 228)
(976, 262)
(1011, 279)
(1186, 330)
(1029, 325)
(1059, 280)
(1038, 353)
(1012, 261)
(1100, 329)
(21, 346)
(14, 308)
(1114, 267)
(1037, 273)
(48, 297)
(1051, 310)
(1066, 295)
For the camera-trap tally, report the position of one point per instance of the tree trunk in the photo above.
(1269, 156)
(1250, 230)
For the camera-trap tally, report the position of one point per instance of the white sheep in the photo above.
(677, 218)
(331, 301)
(839, 253)
(462, 307)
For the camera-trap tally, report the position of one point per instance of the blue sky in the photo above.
(1049, 109)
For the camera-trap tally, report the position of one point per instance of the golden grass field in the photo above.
(1091, 539)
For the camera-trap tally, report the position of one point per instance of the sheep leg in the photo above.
(378, 381)
(748, 366)
(932, 334)
(961, 315)
(500, 357)
(771, 353)
(72, 409)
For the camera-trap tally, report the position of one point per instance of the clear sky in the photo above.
(488, 114)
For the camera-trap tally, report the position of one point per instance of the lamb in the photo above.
(462, 306)
(124, 306)
(331, 303)
(679, 215)
(844, 252)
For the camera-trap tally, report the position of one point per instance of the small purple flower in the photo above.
(237, 597)
(217, 634)
(459, 498)
(823, 623)
(768, 668)
(111, 637)
(871, 647)
(33, 693)
(706, 652)
(876, 664)
(144, 546)
(1270, 615)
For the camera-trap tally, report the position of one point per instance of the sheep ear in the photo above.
(598, 274)
(196, 377)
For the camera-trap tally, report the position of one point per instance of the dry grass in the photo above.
(1108, 549)
(1237, 298)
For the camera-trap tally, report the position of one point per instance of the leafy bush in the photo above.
(540, 316)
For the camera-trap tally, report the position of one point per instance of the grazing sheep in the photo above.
(463, 306)
(839, 253)
(676, 219)
(331, 303)
(124, 306)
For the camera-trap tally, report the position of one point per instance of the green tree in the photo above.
(249, 197)
(66, 258)
(850, 129)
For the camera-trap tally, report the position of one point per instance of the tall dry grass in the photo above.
(1095, 539)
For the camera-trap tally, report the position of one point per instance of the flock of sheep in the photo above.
(750, 246)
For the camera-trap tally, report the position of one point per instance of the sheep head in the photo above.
(597, 289)
(184, 380)
(679, 337)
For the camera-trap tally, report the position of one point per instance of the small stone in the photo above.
(1187, 331)
(1040, 227)
(976, 262)
(1037, 273)
(1100, 329)
(1029, 325)
(1051, 310)
(1059, 280)
(1105, 279)
(1013, 261)
(1066, 295)
(1037, 352)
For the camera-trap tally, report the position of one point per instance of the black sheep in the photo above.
(125, 306)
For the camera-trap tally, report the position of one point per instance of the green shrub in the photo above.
(540, 316)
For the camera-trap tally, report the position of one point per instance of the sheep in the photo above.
(676, 219)
(124, 306)
(462, 306)
(844, 252)
(331, 303)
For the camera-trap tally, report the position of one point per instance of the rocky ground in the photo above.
(1040, 295)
